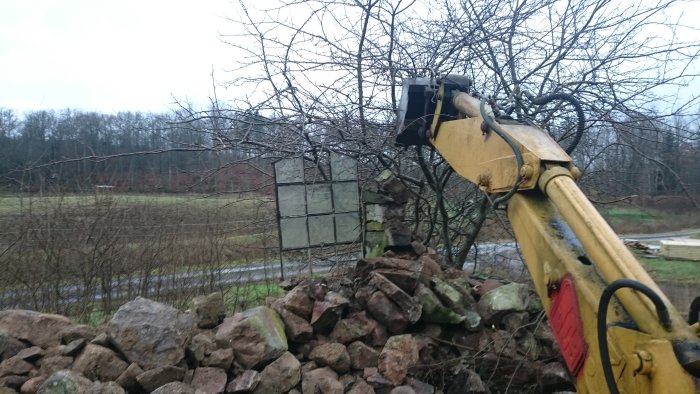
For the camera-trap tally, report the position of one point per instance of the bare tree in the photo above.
(324, 75)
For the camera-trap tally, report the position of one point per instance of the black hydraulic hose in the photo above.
(580, 125)
(694, 314)
(661, 311)
(516, 151)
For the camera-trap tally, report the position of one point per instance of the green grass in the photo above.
(12, 204)
(239, 298)
(672, 270)
(628, 214)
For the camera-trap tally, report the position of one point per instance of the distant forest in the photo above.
(75, 151)
(214, 152)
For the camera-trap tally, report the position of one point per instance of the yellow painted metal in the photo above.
(483, 159)
(609, 254)
(660, 373)
(551, 250)
(487, 160)
(560, 232)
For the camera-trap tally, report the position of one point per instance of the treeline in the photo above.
(73, 151)
(646, 155)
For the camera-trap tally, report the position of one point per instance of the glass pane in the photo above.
(345, 197)
(294, 234)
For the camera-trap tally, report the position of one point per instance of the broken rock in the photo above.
(433, 310)
(256, 335)
(154, 378)
(398, 355)
(280, 376)
(128, 378)
(220, 358)
(386, 312)
(296, 328)
(175, 388)
(361, 387)
(409, 307)
(321, 380)
(40, 329)
(99, 363)
(209, 311)
(15, 366)
(348, 330)
(333, 355)
(209, 380)
(512, 297)
(245, 382)
(150, 333)
(65, 381)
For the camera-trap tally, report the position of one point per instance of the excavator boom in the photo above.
(616, 329)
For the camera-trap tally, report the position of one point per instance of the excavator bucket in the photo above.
(416, 110)
(418, 104)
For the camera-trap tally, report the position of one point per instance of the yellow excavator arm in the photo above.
(616, 329)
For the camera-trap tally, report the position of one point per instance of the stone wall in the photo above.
(384, 201)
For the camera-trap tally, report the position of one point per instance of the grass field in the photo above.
(13, 204)
(664, 269)
(636, 220)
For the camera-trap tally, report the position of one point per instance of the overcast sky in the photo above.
(109, 56)
(121, 55)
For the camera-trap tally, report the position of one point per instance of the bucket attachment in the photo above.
(419, 98)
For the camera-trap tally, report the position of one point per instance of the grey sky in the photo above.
(119, 55)
(108, 56)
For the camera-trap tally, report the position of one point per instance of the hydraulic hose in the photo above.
(581, 117)
(661, 311)
(516, 151)
(694, 314)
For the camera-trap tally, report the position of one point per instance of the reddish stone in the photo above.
(488, 285)
(31, 386)
(333, 355)
(220, 358)
(387, 313)
(298, 302)
(209, 380)
(321, 380)
(398, 355)
(53, 364)
(296, 328)
(244, 383)
(362, 356)
(409, 307)
(128, 378)
(154, 378)
(31, 354)
(40, 329)
(15, 366)
(361, 387)
(348, 330)
(99, 363)
(280, 376)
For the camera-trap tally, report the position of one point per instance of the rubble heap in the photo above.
(401, 324)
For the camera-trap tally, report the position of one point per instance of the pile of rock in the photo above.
(401, 324)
